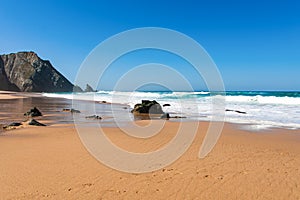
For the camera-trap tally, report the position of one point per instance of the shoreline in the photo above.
(68, 103)
(9, 95)
(264, 109)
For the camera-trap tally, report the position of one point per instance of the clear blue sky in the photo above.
(255, 44)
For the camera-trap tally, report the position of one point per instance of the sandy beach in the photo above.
(51, 162)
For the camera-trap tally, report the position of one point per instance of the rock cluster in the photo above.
(34, 112)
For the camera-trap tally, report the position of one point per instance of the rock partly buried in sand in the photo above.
(93, 117)
(12, 126)
(15, 124)
(33, 122)
(34, 112)
(166, 104)
(147, 107)
(71, 110)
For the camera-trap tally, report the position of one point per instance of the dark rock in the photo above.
(70, 110)
(165, 116)
(15, 124)
(5, 84)
(33, 122)
(88, 88)
(12, 126)
(177, 117)
(74, 111)
(93, 117)
(34, 112)
(237, 111)
(166, 104)
(26, 72)
(76, 88)
(148, 107)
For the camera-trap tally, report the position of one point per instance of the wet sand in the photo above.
(51, 162)
(10, 95)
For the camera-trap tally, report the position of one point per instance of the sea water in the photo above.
(260, 109)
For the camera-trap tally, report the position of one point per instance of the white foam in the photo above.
(264, 99)
(261, 110)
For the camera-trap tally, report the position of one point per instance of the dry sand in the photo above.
(51, 163)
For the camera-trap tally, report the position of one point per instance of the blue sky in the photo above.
(255, 44)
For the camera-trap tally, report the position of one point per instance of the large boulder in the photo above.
(147, 107)
(26, 72)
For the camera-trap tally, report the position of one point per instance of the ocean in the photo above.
(260, 110)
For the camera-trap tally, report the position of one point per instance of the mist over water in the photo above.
(261, 109)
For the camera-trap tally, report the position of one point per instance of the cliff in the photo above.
(26, 72)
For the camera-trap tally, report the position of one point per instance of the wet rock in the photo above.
(33, 122)
(178, 117)
(74, 111)
(93, 117)
(147, 107)
(34, 112)
(71, 110)
(166, 104)
(15, 124)
(12, 126)
(9, 128)
(165, 116)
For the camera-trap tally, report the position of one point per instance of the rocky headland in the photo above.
(27, 72)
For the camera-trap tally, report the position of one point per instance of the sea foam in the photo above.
(263, 109)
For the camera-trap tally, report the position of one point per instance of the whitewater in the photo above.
(260, 110)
